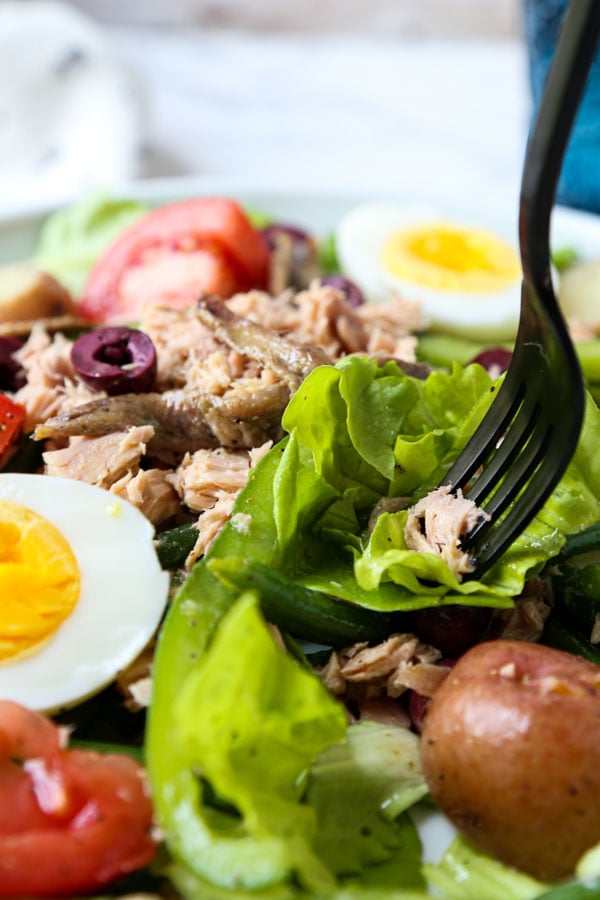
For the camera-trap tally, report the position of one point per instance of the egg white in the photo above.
(123, 595)
(360, 236)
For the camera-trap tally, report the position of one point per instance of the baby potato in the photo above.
(511, 753)
(579, 292)
(26, 293)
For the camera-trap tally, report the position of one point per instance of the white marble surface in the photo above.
(372, 112)
(369, 112)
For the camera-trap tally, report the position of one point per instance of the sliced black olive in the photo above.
(496, 360)
(12, 375)
(351, 291)
(116, 359)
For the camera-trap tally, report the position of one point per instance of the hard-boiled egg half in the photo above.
(81, 589)
(466, 277)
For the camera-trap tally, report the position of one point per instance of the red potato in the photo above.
(511, 753)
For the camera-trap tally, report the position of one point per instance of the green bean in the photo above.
(577, 596)
(26, 457)
(444, 349)
(564, 637)
(584, 542)
(589, 357)
(301, 611)
(174, 545)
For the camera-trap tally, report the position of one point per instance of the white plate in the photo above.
(316, 210)
(318, 213)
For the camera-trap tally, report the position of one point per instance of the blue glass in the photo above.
(579, 185)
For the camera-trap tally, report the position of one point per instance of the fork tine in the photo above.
(503, 533)
(521, 428)
(519, 473)
(487, 435)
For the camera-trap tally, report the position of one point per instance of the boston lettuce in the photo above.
(73, 237)
(379, 436)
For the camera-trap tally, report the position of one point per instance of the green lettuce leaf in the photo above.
(373, 432)
(73, 237)
(359, 790)
(466, 874)
(252, 722)
(306, 797)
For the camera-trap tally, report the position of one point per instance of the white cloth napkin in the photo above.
(70, 115)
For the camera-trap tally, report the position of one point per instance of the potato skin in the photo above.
(511, 753)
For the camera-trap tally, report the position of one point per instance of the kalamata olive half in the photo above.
(270, 233)
(116, 359)
(496, 360)
(452, 629)
(351, 291)
(12, 376)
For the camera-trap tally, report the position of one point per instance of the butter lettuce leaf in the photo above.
(359, 790)
(375, 433)
(303, 796)
(73, 237)
(465, 873)
(252, 722)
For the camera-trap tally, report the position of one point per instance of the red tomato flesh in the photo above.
(71, 821)
(12, 416)
(174, 253)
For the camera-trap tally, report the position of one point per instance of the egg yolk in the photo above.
(39, 581)
(450, 258)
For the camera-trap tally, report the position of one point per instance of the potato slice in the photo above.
(27, 293)
(579, 292)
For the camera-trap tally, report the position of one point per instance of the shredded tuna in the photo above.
(213, 480)
(47, 365)
(180, 341)
(321, 315)
(381, 709)
(150, 491)
(331, 676)
(102, 460)
(438, 523)
(220, 370)
(581, 331)
(210, 524)
(525, 622)
(387, 669)
(135, 681)
(206, 474)
(422, 677)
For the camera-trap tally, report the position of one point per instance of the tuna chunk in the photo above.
(102, 460)
(203, 475)
(151, 492)
(438, 523)
(388, 669)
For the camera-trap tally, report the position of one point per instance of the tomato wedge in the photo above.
(71, 821)
(12, 416)
(173, 253)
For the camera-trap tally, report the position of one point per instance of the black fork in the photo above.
(525, 442)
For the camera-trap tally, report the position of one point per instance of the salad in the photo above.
(235, 661)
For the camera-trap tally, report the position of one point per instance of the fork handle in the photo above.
(548, 141)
